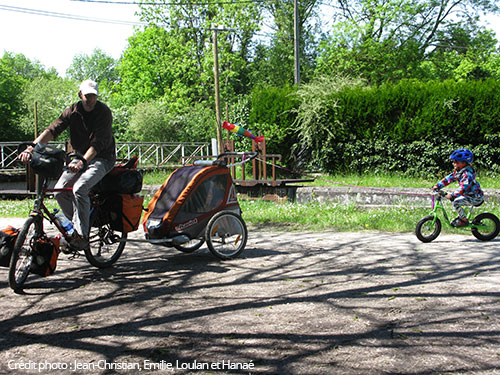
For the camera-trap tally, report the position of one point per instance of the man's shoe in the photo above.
(79, 242)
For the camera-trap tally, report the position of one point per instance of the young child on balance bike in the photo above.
(469, 191)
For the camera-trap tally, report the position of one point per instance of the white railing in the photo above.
(151, 155)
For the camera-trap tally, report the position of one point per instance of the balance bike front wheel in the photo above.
(428, 228)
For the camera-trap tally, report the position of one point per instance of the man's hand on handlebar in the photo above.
(25, 156)
(76, 166)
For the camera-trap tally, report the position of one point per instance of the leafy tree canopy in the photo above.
(98, 66)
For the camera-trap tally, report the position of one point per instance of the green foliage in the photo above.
(52, 96)
(99, 67)
(150, 122)
(10, 102)
(417, 159)
(407, 127)
(15, 72)
(392, 40)
(156, 122)
(196, 123)
(272, 112)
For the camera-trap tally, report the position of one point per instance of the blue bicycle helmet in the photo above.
(462, 154)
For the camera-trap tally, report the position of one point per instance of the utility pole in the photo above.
(296, 42)
(215, 29)
(217, 95)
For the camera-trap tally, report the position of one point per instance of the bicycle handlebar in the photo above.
(25, 144)
(76, 155)
(71, 156)
(443, 194)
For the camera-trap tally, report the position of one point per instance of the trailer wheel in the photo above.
(190, 246)
(226, 235)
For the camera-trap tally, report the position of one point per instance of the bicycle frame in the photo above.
(439, 206)
(40, 210)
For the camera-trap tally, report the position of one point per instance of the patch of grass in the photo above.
(322, 216)
(155, 177)
(22, 208)
(375, 180)
(315, 216)
(390, 180)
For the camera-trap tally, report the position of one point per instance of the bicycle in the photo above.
(105, 244)
(484, 226)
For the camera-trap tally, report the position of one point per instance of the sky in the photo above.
(55, 41)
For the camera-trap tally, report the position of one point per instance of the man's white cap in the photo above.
(89, 87)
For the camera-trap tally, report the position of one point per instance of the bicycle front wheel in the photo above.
(428, 228)
(106, 246)
(22, 254)
(226, 235)
(485, 226)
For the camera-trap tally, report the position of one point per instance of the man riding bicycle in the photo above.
(91, 135)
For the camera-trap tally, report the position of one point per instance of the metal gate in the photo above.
(151, 155)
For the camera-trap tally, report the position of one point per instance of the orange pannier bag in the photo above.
(125, 211)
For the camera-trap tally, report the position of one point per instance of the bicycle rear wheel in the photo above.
(22, 254)
(106, 246)
(226, 235)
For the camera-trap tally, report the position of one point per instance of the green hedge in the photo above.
(272, 114)
(408, 127)
(419, 158)
(342, 125)
(412, 110)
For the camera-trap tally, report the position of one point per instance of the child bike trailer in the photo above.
(198, 203)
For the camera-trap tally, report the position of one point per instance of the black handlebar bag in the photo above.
(47, 161)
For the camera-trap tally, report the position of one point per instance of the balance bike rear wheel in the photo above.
(490, 226)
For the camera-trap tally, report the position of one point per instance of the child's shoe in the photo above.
(459, 222)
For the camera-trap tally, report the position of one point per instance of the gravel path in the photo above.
(293, 303)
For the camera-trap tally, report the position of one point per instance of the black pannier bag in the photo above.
(45, 258)
(123, 179)
(8, 238)
(47, 161)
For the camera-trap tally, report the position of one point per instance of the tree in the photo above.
(280, 54)
(156, 65)
(15, 71)
(189, 26)
(10, 104)
(98, 66)
(52, 95)
(388, 39)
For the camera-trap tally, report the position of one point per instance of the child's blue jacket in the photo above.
(467, 184)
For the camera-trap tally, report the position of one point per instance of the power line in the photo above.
(39, 12)
(173, 3)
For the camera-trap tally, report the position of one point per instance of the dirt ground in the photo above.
(293, 303)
